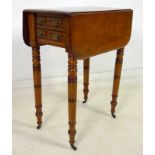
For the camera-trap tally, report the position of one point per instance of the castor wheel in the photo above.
(73, 147)
(113, 115)
(85, 100)
(39, 126)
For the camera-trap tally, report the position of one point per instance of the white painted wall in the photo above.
(54, 59)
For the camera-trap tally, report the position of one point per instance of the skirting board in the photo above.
(63, 79)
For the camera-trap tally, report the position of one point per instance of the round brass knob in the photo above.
(56, 22)
(40, 34)
(56, 36)
(40, 20)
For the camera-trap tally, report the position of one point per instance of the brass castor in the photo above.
(39, 126)
(113, 115)
(73, 147)
(85, 100)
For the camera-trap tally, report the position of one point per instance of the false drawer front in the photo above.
(51, 22)
(51, 37)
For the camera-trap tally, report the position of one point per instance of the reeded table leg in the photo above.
(117, 76)
(72, 93)
(85, 79)
(37, 84)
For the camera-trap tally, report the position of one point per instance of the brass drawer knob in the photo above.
(56, 22)
(56, 37)
(40, 20)
(40, 34)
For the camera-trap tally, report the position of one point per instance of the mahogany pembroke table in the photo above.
(83, 32)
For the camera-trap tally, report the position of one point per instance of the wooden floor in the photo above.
(97, 132)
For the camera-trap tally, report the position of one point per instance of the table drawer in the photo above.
(51, 21)
(52, 37)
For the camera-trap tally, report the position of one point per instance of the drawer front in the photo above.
(51, 37)
(51, 21)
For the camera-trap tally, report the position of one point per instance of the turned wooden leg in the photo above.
(85, 79)
(72, 93)
(117, 76)
(37, 84)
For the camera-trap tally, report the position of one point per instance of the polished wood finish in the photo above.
(72, 92)
(117, 76)
(36, 69)
(37, 84)
(101, 32)
(86, 78)
(83, 32)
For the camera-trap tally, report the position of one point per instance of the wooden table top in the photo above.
(71, 10)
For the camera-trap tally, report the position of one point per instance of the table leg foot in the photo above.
(73, 147)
